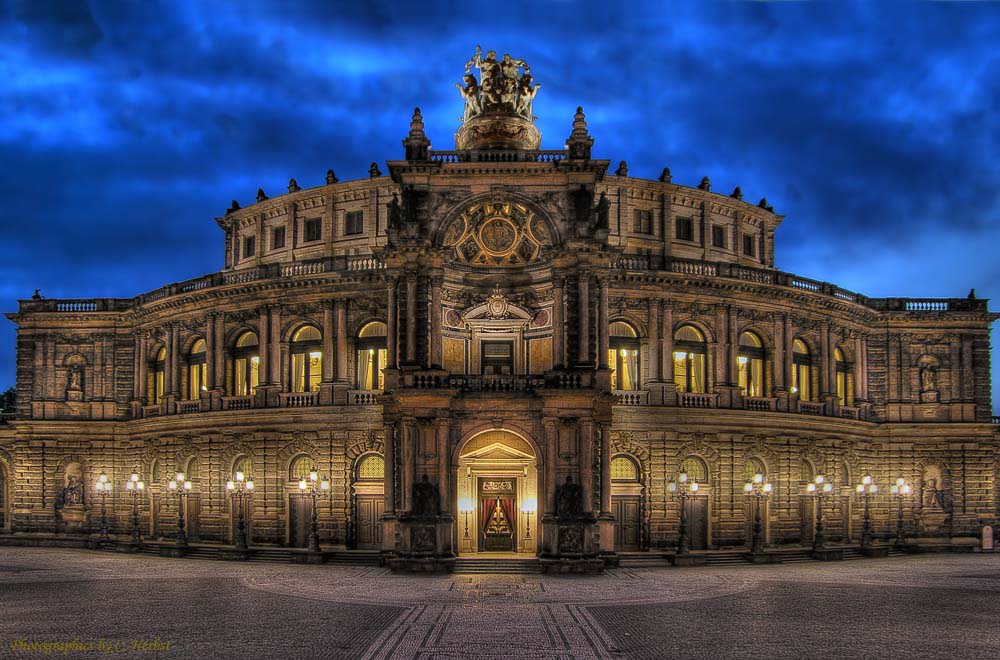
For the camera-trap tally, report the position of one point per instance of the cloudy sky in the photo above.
(127, 127)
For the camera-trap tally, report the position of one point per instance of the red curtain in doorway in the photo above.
(507, 504)
(487, 504)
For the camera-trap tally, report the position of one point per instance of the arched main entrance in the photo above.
(497, 495)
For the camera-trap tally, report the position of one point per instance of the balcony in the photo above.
(697, 399)
(363, 397)
(759, 403)
(810, 408)
(297, 399)
(499, 384)
(631, 397)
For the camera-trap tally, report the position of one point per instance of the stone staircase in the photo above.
(494, 566)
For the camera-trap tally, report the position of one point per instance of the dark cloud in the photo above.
(131, 125)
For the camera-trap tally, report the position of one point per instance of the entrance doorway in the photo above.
(496, 494)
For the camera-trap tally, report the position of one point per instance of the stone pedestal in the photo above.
(497, 131)
(424, 545)
(575, 548)
(74, 518)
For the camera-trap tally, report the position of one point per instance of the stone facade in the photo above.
(511, 319)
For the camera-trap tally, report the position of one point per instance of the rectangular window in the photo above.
(643, 221)
(312, 230)
(685, 229)
(249, 246)
(718, 236)
(749, 246)
(277, 238)
(353, 223)
(498, 357)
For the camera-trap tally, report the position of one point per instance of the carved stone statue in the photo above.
(75, 378)
(569, 500)
(473, 104)
(501, 87)
(395, 213)
(602, 212)
(73, 492)
(928, 379)
(425, 499)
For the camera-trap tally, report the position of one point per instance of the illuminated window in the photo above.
(642, 221)
(277, 238)
(307, 359)
(371, 468)
(300, 468)
(158, 372)
(690, 353)
(246, 365)
(624, 468)
(718, 236)
(802, 371)
(371, 356)
(197, 370)
(695, 469)
(312, 230)
(843, 380)
(623, 356)
(353, 222)
(755, 466)
(750, 365)
(243, 464)
(498, 357)
(685, 229)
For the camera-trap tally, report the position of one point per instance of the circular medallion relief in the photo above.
(497, 235)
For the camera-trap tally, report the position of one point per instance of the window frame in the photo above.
(642, 221)
(274, 237)
(305, 347)
(312, 230)
(691, 348)
(687, 225)
(354, 223)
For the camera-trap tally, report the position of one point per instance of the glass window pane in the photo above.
(613, 364)
(680, 370)
(630, 369)
(315, 370)
(697, 372)
(298, 372)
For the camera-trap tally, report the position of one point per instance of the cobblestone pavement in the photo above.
(84, 604)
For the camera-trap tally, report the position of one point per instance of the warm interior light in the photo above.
(230, 485)
(529, 506)
(680, 356)
(694, 486)
(672, 486)
(742, 360)
(758, 478)
(465, 505)
(315, 355)
(302, 484)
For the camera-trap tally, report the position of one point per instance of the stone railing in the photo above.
(996, 420)
(511, 156)
(759, 403)
(631, 397)
(810, 408)
(490, 383)
(237, 402)
(848, 412)
(297, 399)
(187, 407)
(152, 411)
(363, 397)
(697, 399)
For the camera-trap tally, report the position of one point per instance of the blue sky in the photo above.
(126, 127)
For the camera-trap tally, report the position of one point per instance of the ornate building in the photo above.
(501, 348)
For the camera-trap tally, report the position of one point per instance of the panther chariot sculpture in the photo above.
(498, 105)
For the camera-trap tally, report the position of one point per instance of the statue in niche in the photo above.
(75, 378)
(928, 378)
(425, 499)
(933, 495)
(73, 492)
(395, 213)
(569, 500)
(602, 212)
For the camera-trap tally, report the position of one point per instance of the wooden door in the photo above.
(625, 509)
(299, 517)
(807, 520)
(698, 522)
(368, 517)
(193, 516)
(234, 519)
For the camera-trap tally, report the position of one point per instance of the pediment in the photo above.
(498, 451)
(496, 308)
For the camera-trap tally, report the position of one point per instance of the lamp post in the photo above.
(901, 491)
(313, 488)
(103, 490)
(866, 491)
(465, 508)
(818, 490)
(240, 492)
(135, 486)
(528, 507)
(180, 487)
(682, 489)
(757, 490)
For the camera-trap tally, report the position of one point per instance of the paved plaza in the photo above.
(75, 603)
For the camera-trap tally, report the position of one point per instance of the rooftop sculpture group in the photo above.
(501, 88)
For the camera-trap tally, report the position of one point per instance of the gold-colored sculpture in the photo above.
(502, 87)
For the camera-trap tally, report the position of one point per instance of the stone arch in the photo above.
(630, 318)
(292, 450)
(74, 360)
(189, 342)
(231, 453)
(234, 334)
(815, 458)
(511, 427)
(808, 337)
(704, 328)
(356, 326)
(935, 487)
(290, 327)
(766, 338)
(439, 232)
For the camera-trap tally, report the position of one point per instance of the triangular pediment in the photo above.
(498, 451)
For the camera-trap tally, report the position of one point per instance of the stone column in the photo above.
(210, 357)
(732, 377)
(411, 318)
(968, 374)
(602, 324)
(551, 452)
(906, 389)
(443, 428)
(558, 323)
(391, 340)
(826, 359)
(859, 394)
(667, 359)
(137, 352)
(143, 367)
(605, 430)
(220, 352)
(654, 342)
(328, 345)
(789, 348)
(407, 451)
(389, 484)
(340, 312)
(435, 320)
(586, 431)
(275, 348)
(173, 362)
(778, 359)
(263, 341)
(583, 287)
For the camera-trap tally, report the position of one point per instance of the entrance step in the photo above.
(487, 565)
(796, 556)
(725, 558)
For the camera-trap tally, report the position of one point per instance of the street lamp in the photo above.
(135, 486)
(313, 489)
(528, 507)
(901, 491)
(181, 487)
(818, 490)
(866, 491)
(757, 490)
(681, 490)
(240, 492)
(103, 490)
(465, 507)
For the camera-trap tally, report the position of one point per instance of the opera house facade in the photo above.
(502, 349)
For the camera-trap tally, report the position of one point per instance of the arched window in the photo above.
(801, 370)
(750, 364)
(371, 468)
(696, 469)
(246, 364)
(755, 466)
(623, 356)
(371, 356)
(690, 354)
(243, 464)
(193, 470)
(157, 372)
(840, 368)
(806, 472)
(300, 468)
(624, 468)
(307, 359)
(197, 370)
